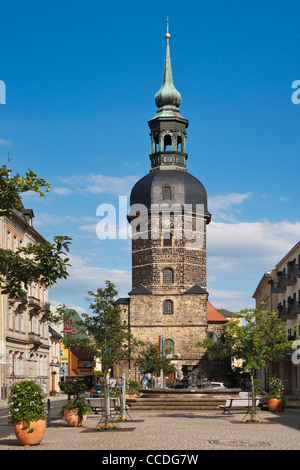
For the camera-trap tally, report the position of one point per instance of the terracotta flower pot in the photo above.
(30, 434)
(72, 418)
(275, 404)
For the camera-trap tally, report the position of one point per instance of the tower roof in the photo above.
(185, 189)
(168, 99)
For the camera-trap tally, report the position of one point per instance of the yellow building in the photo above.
(81, 364)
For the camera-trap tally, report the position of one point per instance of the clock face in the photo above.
(166, 222)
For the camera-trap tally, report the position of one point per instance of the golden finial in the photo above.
(168, 35)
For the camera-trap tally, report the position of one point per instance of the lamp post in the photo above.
(69, 332)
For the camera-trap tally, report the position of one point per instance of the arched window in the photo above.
(169, 346)
(168, 307)
(156, 143)
(168, 276)
(179, 144)
(167, 143)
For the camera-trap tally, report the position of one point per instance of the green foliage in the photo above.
(258, 387)
(42, 262)
(26, 402)
(151, 361)
(11, 187)
(260, 338)
(133, 387)
(108, 338)
(75, 389)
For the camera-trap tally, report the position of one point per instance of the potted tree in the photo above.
(27, 409)
(275, 394)
(75, 410)
(261, 338)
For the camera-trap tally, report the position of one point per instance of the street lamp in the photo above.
(268, 275)
(69, 332)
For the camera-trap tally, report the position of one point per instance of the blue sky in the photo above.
(80, 83)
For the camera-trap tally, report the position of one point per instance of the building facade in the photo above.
(279, 289)
(168, 216)
(24, 341)
(81, 361)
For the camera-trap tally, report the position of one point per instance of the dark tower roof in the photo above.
(184, 189)
(168, 181)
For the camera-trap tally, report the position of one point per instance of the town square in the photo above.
(150, 232)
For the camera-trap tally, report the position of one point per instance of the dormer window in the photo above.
(166, 193)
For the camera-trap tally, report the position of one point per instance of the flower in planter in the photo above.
(275, 388)
(26, 402)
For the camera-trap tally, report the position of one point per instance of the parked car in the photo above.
(217, 385)
(96, 391)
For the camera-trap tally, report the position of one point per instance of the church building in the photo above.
(168, 216)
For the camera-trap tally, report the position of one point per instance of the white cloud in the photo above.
(222, 206)
(233, 300)
(5, 142)
(97, 184)
(238, 254)
(83, 278)
(62, 191)
(240, 247)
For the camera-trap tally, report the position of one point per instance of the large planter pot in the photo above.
(72, 418)
(275, 404)
(30, 434)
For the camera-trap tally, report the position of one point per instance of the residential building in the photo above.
(55, 352)
(24, 333)
(279, 289)
(81, 361)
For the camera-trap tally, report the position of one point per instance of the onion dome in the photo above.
(168, 96)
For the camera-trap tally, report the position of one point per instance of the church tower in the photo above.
(168, 215)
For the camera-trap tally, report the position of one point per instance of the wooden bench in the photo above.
(238, 402)
(98, 404)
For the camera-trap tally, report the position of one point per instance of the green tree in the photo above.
(152, 362)
(44, 263)
(107, 338)
(259, 339)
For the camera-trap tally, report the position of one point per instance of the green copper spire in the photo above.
(168, 99)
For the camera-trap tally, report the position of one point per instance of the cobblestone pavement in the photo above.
(174, 430)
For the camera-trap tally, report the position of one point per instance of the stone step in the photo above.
(172, 407)
(175, 403)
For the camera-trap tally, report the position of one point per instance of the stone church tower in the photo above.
(168, 215)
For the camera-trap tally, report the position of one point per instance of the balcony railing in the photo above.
(294, 307)
(287, 280)
(289, 312)
(277, 287)
(33, 302)
(294, 270)
(34, 339)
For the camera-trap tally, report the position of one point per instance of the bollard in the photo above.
(48, 413)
